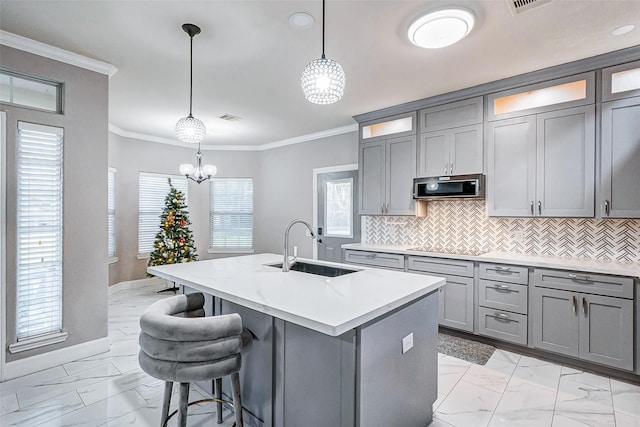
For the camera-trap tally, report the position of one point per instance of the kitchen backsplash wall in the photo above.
(464, 224)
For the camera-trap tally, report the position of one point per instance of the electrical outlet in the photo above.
(518, 235)
(407, 343)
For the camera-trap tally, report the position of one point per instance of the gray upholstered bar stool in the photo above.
(179, 344)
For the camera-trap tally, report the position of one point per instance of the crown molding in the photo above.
(42, 49)
(291, 141)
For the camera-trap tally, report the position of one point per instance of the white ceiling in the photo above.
(248, 60)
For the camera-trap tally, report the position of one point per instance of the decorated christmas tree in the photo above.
(174, 240)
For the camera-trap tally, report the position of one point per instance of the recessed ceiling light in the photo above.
(623, 29)
(440, 28)
(301, 20)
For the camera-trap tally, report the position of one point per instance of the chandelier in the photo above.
(323, 79)
(198, 173)
(189, 129)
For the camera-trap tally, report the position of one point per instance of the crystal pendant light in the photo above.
(189, 129)
(323, 79)
(198, 173)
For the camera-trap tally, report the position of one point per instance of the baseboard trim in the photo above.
(54, 358)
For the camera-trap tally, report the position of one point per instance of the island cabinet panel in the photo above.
(619, 196)
(256, 379)
(315, 379)
(383, 368)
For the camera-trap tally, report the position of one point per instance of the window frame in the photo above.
(230, 249)
(174, 178)
(59, 87)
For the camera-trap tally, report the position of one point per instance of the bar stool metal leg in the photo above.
(166, 401)
(184, 402)
(219, 396)
(237, 398)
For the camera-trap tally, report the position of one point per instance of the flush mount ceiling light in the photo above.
(301, 21)
(623, 29)
(440, 28)
(323, 79)
(189, 129)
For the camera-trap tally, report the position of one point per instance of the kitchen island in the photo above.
(354, 350)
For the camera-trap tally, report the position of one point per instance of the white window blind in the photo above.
(231, 213)
(39, 206)
(111, 214)
(152, 190)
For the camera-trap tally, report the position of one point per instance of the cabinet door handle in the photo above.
(580, 277)
(502, 316)
(539, 207)
(606, 208)
(446, 168)
(575, 305)
(584, 305)
(371, 256)
(503, 269)
(386, 208)
(381, 207)
(531, 206)
(503, 288)
(451, 168)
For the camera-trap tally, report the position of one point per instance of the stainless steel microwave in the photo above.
(449, 187)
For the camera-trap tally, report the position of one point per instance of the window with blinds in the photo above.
(40, 221)
(111, 214)
(152, 190)
(231, 214)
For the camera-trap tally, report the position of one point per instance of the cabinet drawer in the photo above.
(375, 259)
(504, 273)
(503, 296)
(502, 325)
(441, 266)
(589, 283)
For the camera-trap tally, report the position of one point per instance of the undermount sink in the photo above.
(317, 269)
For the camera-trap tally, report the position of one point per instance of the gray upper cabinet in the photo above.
(452, 115)
(387, 168)
(620, 157)
(451, 140)
(543, 165)
(455, 151)
(621, 81)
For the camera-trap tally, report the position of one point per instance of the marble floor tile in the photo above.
(439, 423)
(624, 420)
(538, 372)
(8, 403)
(95, 392)
(32, 395)
(450, 370)
(101, 412)
(486, 378)
(626, 398)
(438, 401)
(584, 419)
(37, 378)
(503, 361)
(583, 393)
(524, 404)
(468, 405)
(52, 408)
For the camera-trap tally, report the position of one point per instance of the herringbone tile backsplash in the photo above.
(464, 224)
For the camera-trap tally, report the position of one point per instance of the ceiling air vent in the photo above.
(520, 6)
(230, 117)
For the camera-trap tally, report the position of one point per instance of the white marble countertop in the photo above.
(529, 260)
(331, 305)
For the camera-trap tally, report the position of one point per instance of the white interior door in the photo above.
(337, 220)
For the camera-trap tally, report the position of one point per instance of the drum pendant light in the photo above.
(189, 129)
(323, 79)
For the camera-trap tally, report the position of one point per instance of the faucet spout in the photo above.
(286, 264)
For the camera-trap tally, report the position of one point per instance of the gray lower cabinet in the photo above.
(619, 196)
(591, 327)
(457, 295)
(374, 259)
(387, 168)
(543, 165)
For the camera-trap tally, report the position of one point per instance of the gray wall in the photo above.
(287, 180)
(282, 191)
(85, 123)
(131, 156)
